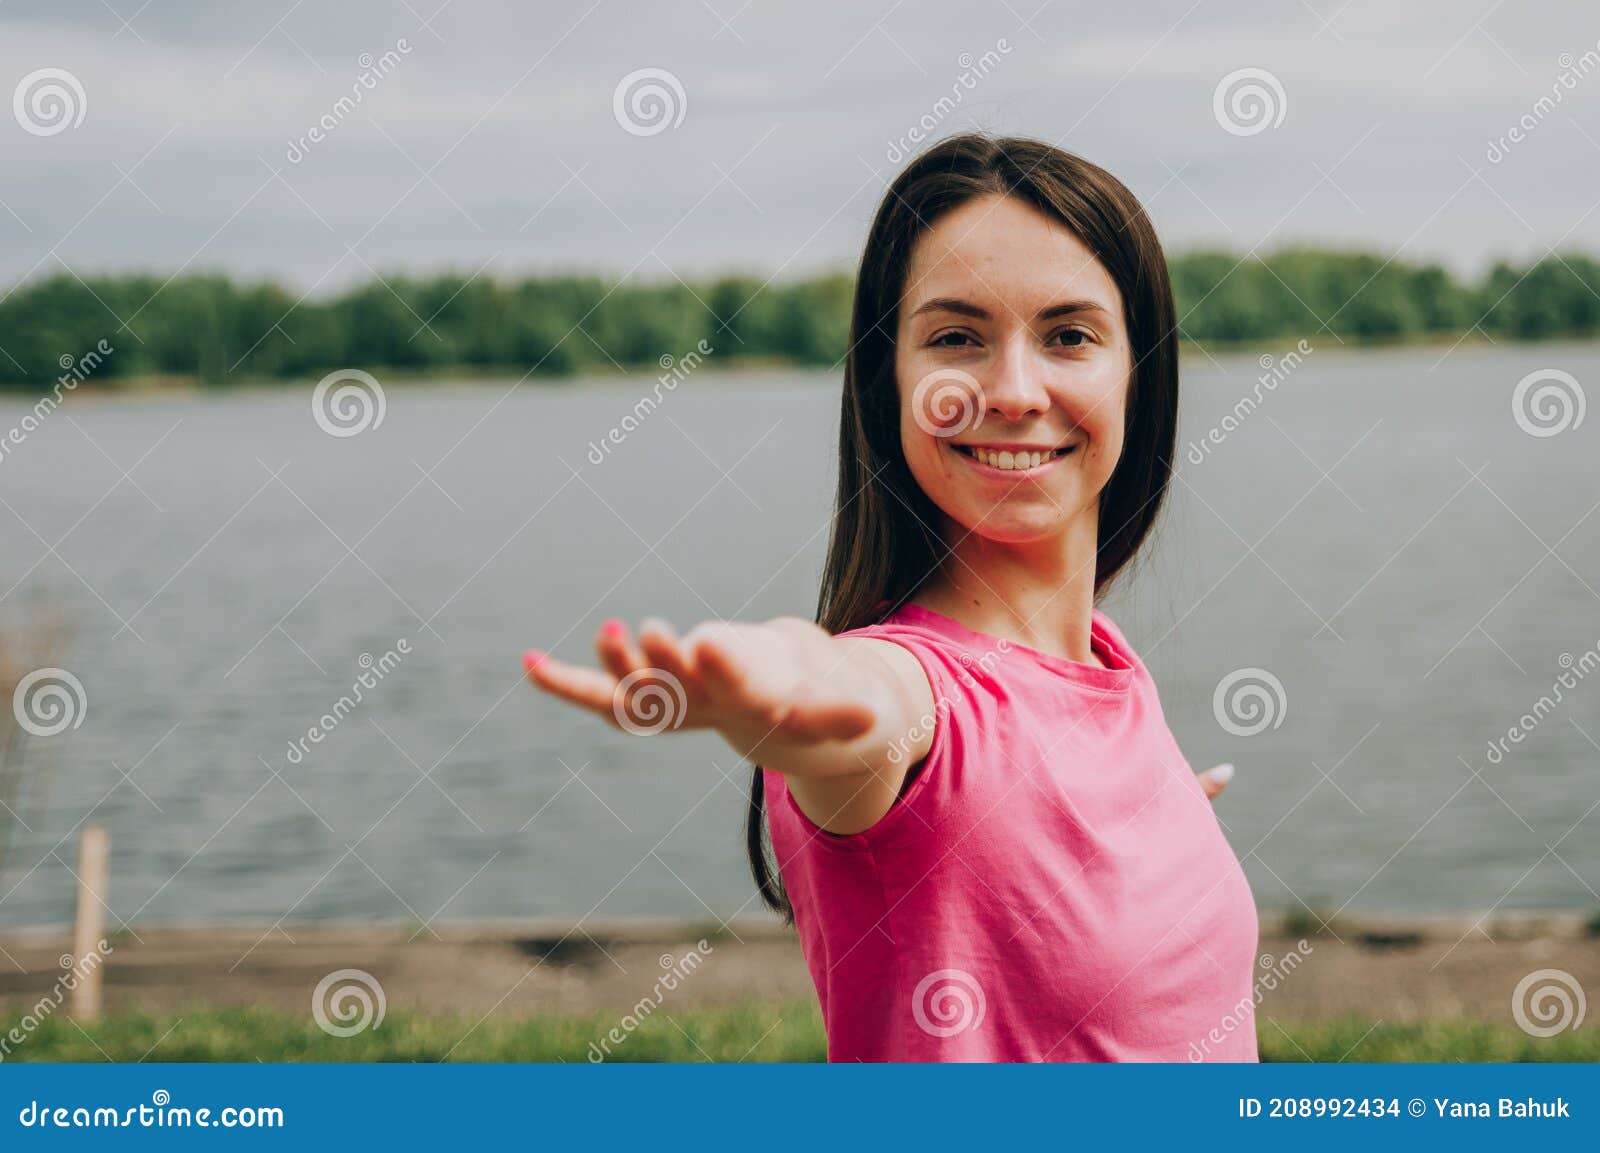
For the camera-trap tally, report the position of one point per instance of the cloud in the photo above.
(781, 153)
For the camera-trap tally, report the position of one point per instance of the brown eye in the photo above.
(1072, 337)
(952, 339)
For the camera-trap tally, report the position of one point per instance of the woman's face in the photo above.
(1012, 361)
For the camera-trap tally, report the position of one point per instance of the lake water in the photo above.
(1380, 534)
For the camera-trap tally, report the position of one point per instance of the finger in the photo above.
(587, 688)
(722, 666)
(663, 650)
(617, 651)
(712, 652)
(1215, 779)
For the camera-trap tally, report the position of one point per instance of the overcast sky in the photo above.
(493, 142)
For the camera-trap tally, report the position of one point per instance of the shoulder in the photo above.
(1117, 642)
(953, 679)
(948, 655)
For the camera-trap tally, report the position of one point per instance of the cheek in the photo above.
(1102, 413)
(940, 477)
(923, 454)
(1105, 449)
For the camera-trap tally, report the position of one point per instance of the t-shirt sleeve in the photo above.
(958, 717)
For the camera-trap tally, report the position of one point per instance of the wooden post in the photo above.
(89, 925)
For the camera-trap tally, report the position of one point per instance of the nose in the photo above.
(1014, 387)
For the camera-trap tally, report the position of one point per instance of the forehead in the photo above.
(1006, 255)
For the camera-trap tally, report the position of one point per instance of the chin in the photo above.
(1011, 526)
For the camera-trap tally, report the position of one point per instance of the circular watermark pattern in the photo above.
(161, 1097)
(947, 1002)
(1248, 101)
(649, 101)
(1547, 1001)
(348, 402)
(1547, 402)
(49, 701)
(649, 701)
(947, 402)
(1249, 701)
(49, 101)
(347, 1002)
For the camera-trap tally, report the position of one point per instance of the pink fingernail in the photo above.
(532, 659)
(612, 628)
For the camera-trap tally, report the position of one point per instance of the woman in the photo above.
(983, 829)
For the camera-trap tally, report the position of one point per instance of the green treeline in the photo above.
(214, 330)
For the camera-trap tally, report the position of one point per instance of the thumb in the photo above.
(1215, 779)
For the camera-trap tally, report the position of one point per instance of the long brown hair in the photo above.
(885, 541)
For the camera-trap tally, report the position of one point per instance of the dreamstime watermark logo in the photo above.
(348, 402)
(947, 402)
(77, 969)
(973, 69)
(1572, 71)
(1243, 1014)
(1576, 669)
(900, 748)
(49, 701)
(947, 1002)
(374, 670)
(1548, 1001)
(373, 69)
(75, 370)
(649, 701)
(1249, 701)
(1248, 101)
(1548, 401)
(649, 101)
(156, 1115)
(347, 1002)
(49, 101)
(674, 372)
(677, 969)
(1274, 372)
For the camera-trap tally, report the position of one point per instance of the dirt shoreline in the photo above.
(1388, 969)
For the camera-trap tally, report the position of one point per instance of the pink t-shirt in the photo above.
(1052, 886)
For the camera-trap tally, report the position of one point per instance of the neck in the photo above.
(1039, 594)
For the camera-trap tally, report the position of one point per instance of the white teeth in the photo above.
(1012, 461)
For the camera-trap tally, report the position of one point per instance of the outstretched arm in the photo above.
(838, 717)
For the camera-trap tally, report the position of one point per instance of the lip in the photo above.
(1011, 474)
(1012, 446)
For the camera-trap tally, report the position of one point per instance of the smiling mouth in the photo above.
(1020, 460)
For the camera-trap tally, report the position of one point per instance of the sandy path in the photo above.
(1394, 971)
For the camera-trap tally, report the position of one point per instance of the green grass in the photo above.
(1349, 1039)
(752, 1033)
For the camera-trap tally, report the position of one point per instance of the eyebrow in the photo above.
(967, 308)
